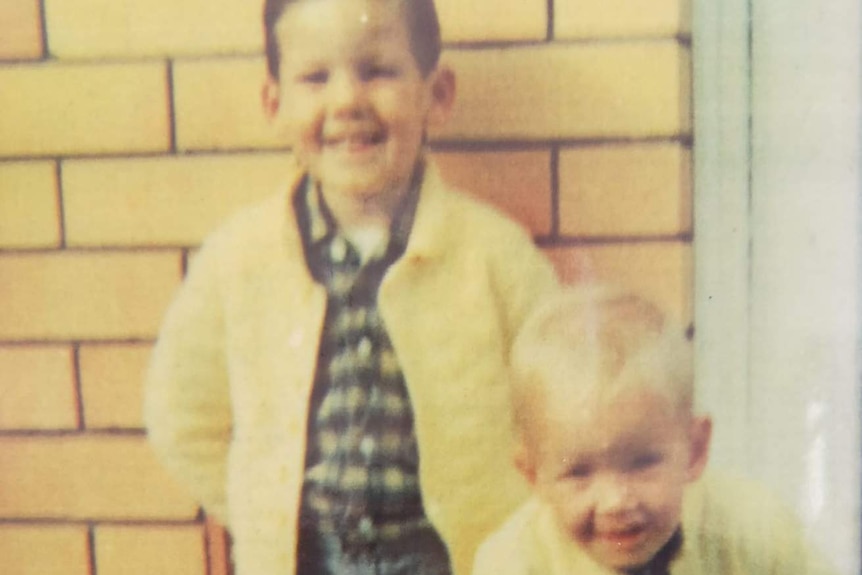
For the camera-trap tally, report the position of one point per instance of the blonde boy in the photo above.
(331, 380)
(614, 452)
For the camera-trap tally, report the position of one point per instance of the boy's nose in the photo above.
(345, 92)
(613, 495)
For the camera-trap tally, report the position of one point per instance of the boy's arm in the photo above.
(791, 551)
(766, 534)
(497, 556)
(525, 277)
(187, 409)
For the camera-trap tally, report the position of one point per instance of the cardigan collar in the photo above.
(428, 237)
(568, 558)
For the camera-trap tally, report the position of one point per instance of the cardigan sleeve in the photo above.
(524, 277)
(748, 526)
(186, 407)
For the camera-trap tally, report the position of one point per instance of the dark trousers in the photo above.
(416, 553)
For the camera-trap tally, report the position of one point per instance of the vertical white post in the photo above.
(805, 290)
(778, 251)
(721, 233)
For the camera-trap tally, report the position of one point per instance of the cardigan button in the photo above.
(366, 446)
(338, 250)
(364, 348)
(366, 529)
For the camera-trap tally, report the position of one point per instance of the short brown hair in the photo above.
(423, 27)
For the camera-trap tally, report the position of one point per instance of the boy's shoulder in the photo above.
(507, 551)
(737, 521)
(530, 542)
(448, 212)
(724, 500)
(462, 204)
(259, 222)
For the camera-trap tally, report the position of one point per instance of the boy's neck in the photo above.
(660, 563)
(362, 212)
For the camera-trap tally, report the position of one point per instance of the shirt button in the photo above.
(366, 446)
(366, 528)
(364, 348)
(338, 250)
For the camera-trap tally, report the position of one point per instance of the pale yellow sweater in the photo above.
(729, 526)
(229, 382)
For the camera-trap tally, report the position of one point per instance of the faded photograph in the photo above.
(427, 287)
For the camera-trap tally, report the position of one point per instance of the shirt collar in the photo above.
(660, 563)
(321, 226)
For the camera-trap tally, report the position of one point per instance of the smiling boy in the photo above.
(610, 443)
(330, 380)
(353, 97)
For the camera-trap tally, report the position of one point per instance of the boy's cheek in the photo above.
(572, 514)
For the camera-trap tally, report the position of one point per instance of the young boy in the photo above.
(331, 379)
(609, 442)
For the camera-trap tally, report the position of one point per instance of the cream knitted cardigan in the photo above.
(730, 526)
(229, 382)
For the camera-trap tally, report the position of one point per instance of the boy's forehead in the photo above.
(606, 428)
(620, 408)
(591, 373)
(365, 13)
(311, 27)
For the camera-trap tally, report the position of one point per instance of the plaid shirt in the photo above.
(362, 465)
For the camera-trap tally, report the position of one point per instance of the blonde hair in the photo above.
(599, 340)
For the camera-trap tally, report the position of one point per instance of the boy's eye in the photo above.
(644, 461)
(314, 77)
(578, 471)
(373, 71)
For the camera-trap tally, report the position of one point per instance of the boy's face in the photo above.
(351, 100)
(614, 471)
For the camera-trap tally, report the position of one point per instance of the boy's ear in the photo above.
(524, 462)
(269, 97)
(443, 88)
(700, 435)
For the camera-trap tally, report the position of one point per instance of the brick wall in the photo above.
(129, 128)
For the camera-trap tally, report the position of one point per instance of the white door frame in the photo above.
(777, 250)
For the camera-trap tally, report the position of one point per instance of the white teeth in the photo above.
(362, 140)
(359, 138)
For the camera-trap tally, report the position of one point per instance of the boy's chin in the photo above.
(620, 561)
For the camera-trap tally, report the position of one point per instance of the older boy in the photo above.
(331, 378)
(614, 452)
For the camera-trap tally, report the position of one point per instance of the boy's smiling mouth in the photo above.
(354, 141)
(623, 538)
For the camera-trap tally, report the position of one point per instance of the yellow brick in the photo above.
(636, 89)
(224, 118)
(127, 550)
(625, 190)
(38, 386)
(492, 20)
(92, 28)
(660, 271)
(20, 30)
(50, 109)
(44, 550)
(161, 201)
(85, 295)
(519, 183)
(612, 90)
(218, 548)
(111, 384)
(87, 477)
(29, 212)
(621, 18)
